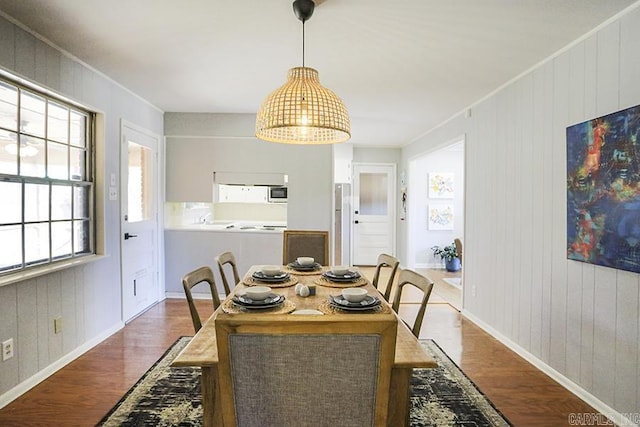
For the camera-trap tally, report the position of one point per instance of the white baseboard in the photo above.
(42, 375)
(180, 295)
(422, 265)
(594, 402)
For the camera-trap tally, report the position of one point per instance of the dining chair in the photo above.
(458, 243)
(189, 281)
(410, 277)
(222, 260)
(297, 243)
(303, 372)
(384, 261)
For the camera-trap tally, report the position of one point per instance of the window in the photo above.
(46, 179)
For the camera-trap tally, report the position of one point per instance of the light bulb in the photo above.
(25, 150)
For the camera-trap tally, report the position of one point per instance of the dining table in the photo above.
(202, 350)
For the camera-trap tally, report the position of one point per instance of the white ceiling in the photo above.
(402, 67)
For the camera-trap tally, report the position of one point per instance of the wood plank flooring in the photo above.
(82, 392)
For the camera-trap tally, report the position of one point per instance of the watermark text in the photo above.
(597, 419)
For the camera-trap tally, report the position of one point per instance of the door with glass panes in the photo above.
(373, 212)
(139, 220)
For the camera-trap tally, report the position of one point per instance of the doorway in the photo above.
(374, 201)
(139, 242)
(436, 217)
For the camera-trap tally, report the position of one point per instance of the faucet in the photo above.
(203, 218)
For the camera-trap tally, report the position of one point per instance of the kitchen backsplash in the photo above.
(185, 213)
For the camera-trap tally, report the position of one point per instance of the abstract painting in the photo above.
(440, 216)
(440, 185)
(603, 190)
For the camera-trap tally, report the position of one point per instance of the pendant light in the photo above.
(302, 111)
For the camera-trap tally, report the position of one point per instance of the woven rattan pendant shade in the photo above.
(302, 111)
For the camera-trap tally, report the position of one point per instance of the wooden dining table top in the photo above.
(203, 351)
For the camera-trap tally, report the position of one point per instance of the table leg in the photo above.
(211, 407)
(399, 402)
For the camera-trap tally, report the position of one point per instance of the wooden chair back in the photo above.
(222, 260)
(410, 277)
(458, 243)
(297, 243)
(385, 260)
(189, 281)
(295, 371)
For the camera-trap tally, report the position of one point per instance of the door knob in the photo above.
(128, 236)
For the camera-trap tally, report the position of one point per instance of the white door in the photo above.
(374, 201)
(139, 219)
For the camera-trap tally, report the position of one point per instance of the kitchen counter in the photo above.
(191, 246)
(231, 227)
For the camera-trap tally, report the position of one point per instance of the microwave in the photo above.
(277, 194)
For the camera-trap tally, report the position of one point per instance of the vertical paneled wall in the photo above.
(581, 320)
(86, 297)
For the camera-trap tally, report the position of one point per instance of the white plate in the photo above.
(307, 311)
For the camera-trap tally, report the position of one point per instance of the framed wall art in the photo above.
(603, 190)
(440, 216)
(441, 185)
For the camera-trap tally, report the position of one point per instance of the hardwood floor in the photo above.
(82, 392)
(441, 288)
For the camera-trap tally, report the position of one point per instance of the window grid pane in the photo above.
(32, 114)
(45, 147)
(57, 160)
(81, 237)
(78, 161)
(11, 247)
(78, 129)
(31, 156)
(36, 243)
(81, 202)
(61, 239)
(8, 107)
(11, 212)
(57, 123)
(8, 152)
(36, 197)
(61, 202)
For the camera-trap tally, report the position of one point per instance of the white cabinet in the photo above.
(242, 194)
(188, 174)
(255, 194)
(342, 159)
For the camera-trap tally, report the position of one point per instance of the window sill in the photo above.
(47, 269)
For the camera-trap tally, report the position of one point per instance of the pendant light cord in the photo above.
(303, 43)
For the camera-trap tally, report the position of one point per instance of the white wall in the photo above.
(578, 319)
(421, 239)
(196, 149)
(87, 297)
(198, 144)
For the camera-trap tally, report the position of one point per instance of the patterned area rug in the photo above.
(167, 396)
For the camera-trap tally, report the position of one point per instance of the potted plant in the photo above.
(450, 256)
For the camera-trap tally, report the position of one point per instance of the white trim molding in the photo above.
(45, 373)
(616, 417)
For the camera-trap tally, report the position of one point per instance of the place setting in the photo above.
(352, 299)
(341, 277)
(272, 275)
(304, 266)
(258, 299)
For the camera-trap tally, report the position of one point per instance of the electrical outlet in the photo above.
(473, 290)
(57, 325)
(7, 349)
